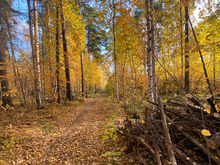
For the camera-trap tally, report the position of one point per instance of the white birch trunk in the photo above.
(151, 55)
(37, 55)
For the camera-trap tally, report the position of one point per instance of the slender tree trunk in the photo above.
(115, 55)
(125, 108)
(181, 47)
(214, 81)
(49, 54)
(66, 60)
(58, 53)
(186, 49)
(132, 82)
(150, 55)
(145, 71)
(82, 72)
(81, 59)
(201, 57)
(37, 54)
(34, 55)
(15, 68)
(6, 98)
(21, 84)
(155, 93)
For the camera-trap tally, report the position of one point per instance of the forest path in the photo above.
(80, 141)
(71, 136)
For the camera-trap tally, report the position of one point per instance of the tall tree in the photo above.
(186, 48)
(66, 60)
(115, 55)
(37, 54)
(181, 47)
(6, 13)
(81, 61)
(16, 73)
(6, 98)
(34, 46)
(82, 71)
(151, 54)
(58, 52)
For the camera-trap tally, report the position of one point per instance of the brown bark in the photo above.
(194, 141)
(181, 47)
(115, 55)
(197, 143)
(66, 60)
(193, 99)
(49, 46)
(58, 53)
(183, 157)
(214, 77)
(6, 98)
(186, 49)
(168, 142)
(82, 73)
(149, 148)
(211, 102)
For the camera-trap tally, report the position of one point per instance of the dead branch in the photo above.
(194, 141)
(167, 134)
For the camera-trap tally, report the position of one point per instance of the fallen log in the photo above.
(193, 99)
(168, 141)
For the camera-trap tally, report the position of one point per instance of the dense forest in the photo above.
(143, 56)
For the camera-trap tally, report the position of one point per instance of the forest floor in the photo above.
(70, 134)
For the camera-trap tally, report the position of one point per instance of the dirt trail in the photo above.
(78, 143)
(74, 139)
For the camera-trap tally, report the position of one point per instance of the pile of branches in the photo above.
(178, 133)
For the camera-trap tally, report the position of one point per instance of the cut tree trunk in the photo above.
(193, 99)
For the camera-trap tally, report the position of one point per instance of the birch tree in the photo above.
(151, 53)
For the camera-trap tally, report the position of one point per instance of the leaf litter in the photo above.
(70, 137)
